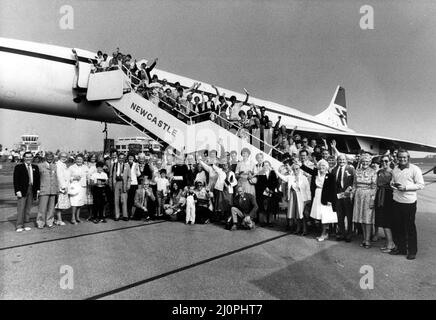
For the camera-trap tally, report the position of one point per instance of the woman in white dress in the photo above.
(245, 173)
(78, 173)
(322, 188)
(298, 194)
(63, 181)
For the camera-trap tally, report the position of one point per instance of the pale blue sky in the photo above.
(291, 52)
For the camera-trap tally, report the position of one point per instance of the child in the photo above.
(191, 199)
(99, 181)
(162, 190)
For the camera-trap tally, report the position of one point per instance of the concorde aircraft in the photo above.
(45, 78)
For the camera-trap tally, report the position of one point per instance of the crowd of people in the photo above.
(324, 197)
(321, 191)
(187, 104)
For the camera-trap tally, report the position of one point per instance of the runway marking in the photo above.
(81, 235)
(163, 275)
(32, 219)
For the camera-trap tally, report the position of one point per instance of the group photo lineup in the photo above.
(194, 151)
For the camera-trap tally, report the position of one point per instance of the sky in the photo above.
(291, 52)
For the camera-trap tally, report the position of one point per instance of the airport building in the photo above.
(29, 142)
(138, 144)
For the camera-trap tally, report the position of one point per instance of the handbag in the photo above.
(63, 201)
(73, 189)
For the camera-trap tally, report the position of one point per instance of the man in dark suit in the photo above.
(344, 177)
(26, 187)
(267, 184)
(244, 207)
(119, 181)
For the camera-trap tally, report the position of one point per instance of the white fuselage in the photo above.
(39, 78)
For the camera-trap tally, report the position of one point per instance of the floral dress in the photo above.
(63, 201)
(91, 170)
(364, 187)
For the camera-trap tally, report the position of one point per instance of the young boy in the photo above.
(163, 185)
(191, 199)
(99, 181)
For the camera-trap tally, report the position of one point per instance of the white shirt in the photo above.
(95, 176)
(190, 200)
(30, 170)
(222, 176)
(293, 149)
(233, 111)
(201, 176)
(162, 184)
(133, 176)
(309, 149)
(119, 165)
(104, 64)
(410, 177)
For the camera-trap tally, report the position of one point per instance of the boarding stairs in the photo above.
(186, 134)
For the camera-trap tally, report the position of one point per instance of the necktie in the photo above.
(29, 171)
(341, 173)
(114, 166)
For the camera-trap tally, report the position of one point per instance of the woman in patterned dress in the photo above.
(63, 181)
(244, 173)
(364, 189)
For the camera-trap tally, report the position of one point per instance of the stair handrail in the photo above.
(232, 124)
(196, 114)
(133, 87)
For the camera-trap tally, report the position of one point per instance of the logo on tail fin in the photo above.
(342, 114)
(336, 113)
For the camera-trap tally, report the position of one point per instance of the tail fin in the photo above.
(336, 113)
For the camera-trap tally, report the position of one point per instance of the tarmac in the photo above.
(170, 260)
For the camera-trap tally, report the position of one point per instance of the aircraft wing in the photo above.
(385, 142)
(318, 125)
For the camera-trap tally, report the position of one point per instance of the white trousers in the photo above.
(190, 212)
